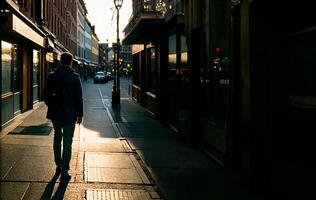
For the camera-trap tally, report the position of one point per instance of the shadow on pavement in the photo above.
(60, 192)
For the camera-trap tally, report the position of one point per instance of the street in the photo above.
(118, 153)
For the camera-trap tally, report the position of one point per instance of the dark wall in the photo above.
(282, 45)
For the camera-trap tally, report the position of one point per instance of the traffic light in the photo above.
(218, 51)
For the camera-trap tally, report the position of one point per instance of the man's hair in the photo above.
(66, 58)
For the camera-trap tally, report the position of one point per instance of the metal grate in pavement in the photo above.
(32, 130)
(102, 194)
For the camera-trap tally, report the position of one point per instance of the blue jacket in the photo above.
(73, 103)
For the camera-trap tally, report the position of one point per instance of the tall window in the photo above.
(6, 67)
(136, 69)
(35, 74)
(185, 74)
(152, 77)
(16, 71)
(35, 66)
(172, 57)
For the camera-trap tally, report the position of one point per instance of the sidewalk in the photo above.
(146, 162)
(180, 171)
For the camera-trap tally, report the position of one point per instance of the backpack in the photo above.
(55, 91)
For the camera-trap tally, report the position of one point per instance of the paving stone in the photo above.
(107, 160)
(112, 145)
(6, 165)
(113, 168)
(99, 194)
(31, 140)
(168, 158)
(40, 191)
(97, 132)
(32, 168)
(12, 191)
(110, 175)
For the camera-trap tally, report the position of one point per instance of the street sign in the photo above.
(116, 47)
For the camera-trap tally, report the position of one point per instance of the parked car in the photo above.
(100, 77)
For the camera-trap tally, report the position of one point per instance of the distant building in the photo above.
(103, 55)
(126, 55)
(81, 14)
(60, 17)
(95, 48)
(88, 43)
(110, 56)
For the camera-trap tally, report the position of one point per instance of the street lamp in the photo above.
(117, 49)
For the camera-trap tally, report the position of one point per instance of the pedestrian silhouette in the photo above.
(65, 84)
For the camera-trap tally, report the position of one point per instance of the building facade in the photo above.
(274, 114)
(60, 17)
(235, 78)
(33, 35)
(22, 49)
(88, 44)
(147, 59)
(110, 58)
(160, 63)
(95, 49)
(103, 56)
(126, 59)
(81, 14)
(248, 123)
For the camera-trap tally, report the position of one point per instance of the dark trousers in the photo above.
(63, 133)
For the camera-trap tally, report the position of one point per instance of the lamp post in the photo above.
(117, 49)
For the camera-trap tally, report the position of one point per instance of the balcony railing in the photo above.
(145, 9)
(174, 7)
(149, 6)
(161, 6)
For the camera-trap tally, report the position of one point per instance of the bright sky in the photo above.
(100, 13)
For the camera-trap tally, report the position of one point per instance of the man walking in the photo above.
(64, 111)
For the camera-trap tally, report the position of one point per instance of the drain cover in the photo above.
(32, 130)
(100, 194)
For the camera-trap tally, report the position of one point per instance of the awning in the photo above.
(76, 60)
(57, 52)
(143, 29)
(49, 44)
(60, 46)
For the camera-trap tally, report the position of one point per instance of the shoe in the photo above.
(65, 177)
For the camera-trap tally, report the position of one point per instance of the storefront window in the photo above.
(6, 62)
(35, 66)
(35, 74)
(172, 57)
(184, 68)
(185, 74)
(16, 72)
(152, 57)
(217, 84)
(136, 69)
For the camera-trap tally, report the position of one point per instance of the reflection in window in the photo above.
(185, 70)
(35, 66)
(153, 70)
(172, 57)
(35, 75)
(16, 72)
(6, 62)
(184, 51)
